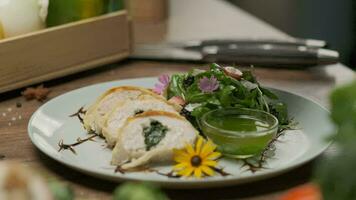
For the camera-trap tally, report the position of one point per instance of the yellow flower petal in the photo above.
(179, 151)
(181, 159)
(207, 170)
(210, 163)
(181, 165)
(190, 149)
(213, 155)
(198, 145)
(197, 172)
(208, 148)
(180, 173)
(186, 172)
(181, 156)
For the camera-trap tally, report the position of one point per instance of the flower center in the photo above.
(195, 161)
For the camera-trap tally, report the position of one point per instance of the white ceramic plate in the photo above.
(51, 123)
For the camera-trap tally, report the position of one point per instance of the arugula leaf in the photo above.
(268, 93)
(200, 110)
(280, 111)
(225, 96)
(247, 75)
(176, 87)
(199, 97)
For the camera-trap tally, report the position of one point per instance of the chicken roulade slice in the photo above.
(151, 137)
(117, 118)
(96, 113)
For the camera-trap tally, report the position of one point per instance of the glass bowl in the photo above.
(239, 132)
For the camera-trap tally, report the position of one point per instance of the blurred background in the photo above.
(330, 20)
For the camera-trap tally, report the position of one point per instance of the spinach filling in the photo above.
(154, 133)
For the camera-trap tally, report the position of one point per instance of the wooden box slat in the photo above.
(63, 50)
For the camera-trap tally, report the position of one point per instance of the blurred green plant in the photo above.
(138, 191)
(335, 175)
(343, 112)
(61, 191)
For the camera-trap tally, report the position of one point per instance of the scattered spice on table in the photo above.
(18, 105)
(11, 116)
(39, 93)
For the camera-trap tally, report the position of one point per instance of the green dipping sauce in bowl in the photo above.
(239, 132)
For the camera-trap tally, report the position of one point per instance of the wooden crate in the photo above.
(63, 50)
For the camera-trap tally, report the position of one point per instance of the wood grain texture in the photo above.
(15, 144)
(63, 50)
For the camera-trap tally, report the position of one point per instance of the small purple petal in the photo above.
(164, 79)
(215, 83)
(208, 84)
(158, 88)
(162, 85)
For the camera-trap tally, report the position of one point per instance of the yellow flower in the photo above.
(198, 161)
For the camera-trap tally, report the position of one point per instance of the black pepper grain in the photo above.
(18, 105)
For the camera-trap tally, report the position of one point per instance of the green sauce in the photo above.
(244, 124)
(239, 134)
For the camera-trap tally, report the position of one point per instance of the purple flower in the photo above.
(162, 85)
(208, 85)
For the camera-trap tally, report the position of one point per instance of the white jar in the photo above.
(21, 16)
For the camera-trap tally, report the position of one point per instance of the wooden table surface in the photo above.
(315, 83)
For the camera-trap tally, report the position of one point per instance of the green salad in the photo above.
(220, 87)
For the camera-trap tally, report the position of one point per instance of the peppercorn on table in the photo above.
(315, 83)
